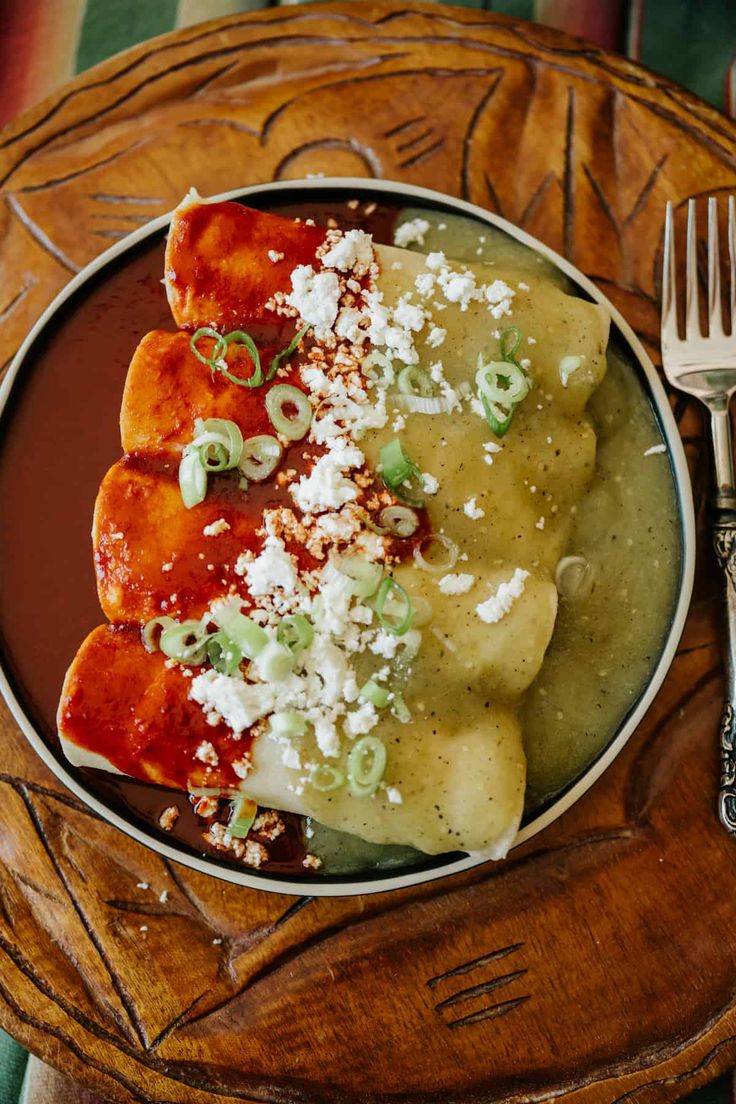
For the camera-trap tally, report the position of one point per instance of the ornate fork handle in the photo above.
(724, 541)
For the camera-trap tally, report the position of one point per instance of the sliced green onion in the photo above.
(364, 575)
(293, 426)
(152, 630)
(500, 381)
(441, 549)
(244, 633)
(284, 355)
(373, 692)
(217, 439)
(509, 343)
(241, 338)
(288, 723)
(568, 365)
(400, 473)
(242, 815)
(393, 607)
(325, 778)
(415, 381)
(409, 644)
(224, 656)
(295, 632)
(185, 642)
(400, 521)
(366, 764)
(214, 457)
(218, 350)
(386, 376)
(260, 456)
(215, 361)
(400, 709)
(498, 418)
(192, 480)
(274, 663)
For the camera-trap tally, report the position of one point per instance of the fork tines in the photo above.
(670, 331)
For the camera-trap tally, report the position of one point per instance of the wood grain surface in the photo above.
(598, 963)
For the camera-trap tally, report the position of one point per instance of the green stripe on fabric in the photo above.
(691, 43)
(13, 1061)
(112, 25)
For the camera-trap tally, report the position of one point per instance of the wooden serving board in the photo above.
(598, 963)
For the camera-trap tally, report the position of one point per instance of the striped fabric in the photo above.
(45, 42)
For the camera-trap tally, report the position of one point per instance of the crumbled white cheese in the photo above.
(498, 605)
(655, 449)
(207, 754)
(239, 703)
(539, 524)
(436, 336)
(456, 584)
(274, 256)
(430, 485)
(316, 296)
(360, 721)
(327, 487)
(352, 252)
(435, 260)
(274, 569)
(473, 510)
(384, 644)
(216, 527)
(499, 296)
(394, 796)
(410, 232)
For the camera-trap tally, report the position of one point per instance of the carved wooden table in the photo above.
(597, 963)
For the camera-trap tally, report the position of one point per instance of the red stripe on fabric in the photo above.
(601, 22)
(34, 46)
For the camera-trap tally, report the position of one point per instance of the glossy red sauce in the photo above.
(59, 435)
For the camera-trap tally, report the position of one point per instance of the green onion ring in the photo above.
(373, 692)
(219, 348)
(363, 575)
(436, 567)
(192, 480)
(244, 633)
(242, 815)
(509, 343)
(498, 418)
(364, 777)
(397, 624)
(295, 632)
(325, 778)
(284, 355)
(185, 642)
(151, 632)
(260, 457)
(488, 379)
(415, 381)
(387, 375)
(400, 521)
(224, 656)
(400, 709)
(281, 396)
(400, 473)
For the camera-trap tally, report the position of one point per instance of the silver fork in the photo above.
(706, 368)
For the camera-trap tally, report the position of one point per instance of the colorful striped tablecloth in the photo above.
(45, 42)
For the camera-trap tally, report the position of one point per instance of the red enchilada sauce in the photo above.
(59, 435)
